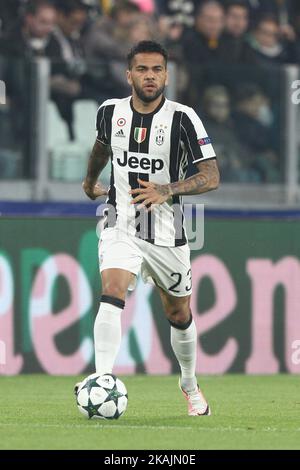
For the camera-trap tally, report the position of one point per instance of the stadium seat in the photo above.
(85, 112)
(57, 128)
(69, 161)
(69, 158)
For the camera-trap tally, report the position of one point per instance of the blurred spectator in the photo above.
(171, 32)
(237, 18)
(250, 106)
(146, 6)
(141, 29)
(31, 35)
(10, 12)
(180, 12)
(233, 159)
(68, 63)
(264, 46)
(74, 77)
(284, 10)
(66, 46)
(105, 38)
(206, 42)
(29, 38)
(110, 37)
(253, 120)
(236, 26)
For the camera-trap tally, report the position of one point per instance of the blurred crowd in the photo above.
(195, 31)
(87, 40)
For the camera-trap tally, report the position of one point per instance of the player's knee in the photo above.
(180, 316)
(114, 290)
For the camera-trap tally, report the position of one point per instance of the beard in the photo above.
(148, 98)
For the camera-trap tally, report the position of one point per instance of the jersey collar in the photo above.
(153, 112)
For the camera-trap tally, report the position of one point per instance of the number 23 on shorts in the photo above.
(178, 278)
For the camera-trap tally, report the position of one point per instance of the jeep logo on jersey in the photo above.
(140, 163)
(140, 134)
(160, 137)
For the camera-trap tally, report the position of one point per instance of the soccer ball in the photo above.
(102, 397)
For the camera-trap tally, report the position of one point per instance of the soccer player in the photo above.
(149, 140)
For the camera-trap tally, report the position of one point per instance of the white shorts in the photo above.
(167, 267)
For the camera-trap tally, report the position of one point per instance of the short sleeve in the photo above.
(101, 126)
(195, 138)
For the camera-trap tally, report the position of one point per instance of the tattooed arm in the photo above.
(97, 162)
(205, 180)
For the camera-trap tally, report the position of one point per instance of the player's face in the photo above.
(148, 76)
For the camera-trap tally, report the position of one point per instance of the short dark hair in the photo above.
(124, 6)
(67, 7)
(33, 6)
(267, 18)
(205, 3)
(236, 3)
(247, 91)
(146, 46)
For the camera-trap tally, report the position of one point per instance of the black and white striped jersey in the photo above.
(152, 147)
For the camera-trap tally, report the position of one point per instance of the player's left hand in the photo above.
(150, 194)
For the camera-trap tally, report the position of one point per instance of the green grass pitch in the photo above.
(39, 412)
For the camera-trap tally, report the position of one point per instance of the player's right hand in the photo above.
(94, 190)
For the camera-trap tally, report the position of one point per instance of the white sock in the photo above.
(107, 337)
(184, 344)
